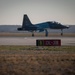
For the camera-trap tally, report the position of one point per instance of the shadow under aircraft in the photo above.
(28, 26)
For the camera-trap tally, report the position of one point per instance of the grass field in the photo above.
(32, 60)
(50, 48)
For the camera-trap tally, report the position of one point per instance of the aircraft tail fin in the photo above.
(26, 21)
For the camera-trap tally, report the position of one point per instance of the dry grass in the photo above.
(37, 62)
(50, 48)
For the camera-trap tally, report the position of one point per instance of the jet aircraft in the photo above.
(28, 26)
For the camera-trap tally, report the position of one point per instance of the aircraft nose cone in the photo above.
(66, 26)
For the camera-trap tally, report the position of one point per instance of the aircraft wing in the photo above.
(44, 25)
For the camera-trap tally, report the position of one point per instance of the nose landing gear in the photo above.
(61, 32)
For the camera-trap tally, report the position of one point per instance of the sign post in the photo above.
(51, 42)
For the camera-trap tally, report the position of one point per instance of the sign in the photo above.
(51, 42)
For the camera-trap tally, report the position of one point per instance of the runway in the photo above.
(67, 41)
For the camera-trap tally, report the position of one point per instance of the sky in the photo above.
(12, 11)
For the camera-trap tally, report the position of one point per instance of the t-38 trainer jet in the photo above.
(28, 26)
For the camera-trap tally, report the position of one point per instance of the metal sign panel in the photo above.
(51, 42)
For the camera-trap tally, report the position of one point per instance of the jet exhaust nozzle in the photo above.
(19, 29)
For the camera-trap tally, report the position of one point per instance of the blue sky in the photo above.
(11, 11)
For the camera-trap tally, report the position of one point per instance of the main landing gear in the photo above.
(61, 32)
(32, 34)
(46, 32)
